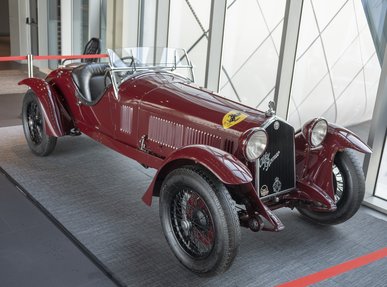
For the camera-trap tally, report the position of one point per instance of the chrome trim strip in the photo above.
(271, 120)
(257, 167)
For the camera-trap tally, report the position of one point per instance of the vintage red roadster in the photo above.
(220, 164)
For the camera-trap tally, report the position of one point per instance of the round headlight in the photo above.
(318, 133)
(255, 145)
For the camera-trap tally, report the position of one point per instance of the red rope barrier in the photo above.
(54, 57)
(13, 58)
(70, 57)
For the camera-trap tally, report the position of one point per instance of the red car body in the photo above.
(162, 121)
(220, 164)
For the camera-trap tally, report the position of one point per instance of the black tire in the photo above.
(33, 125)
(199, 220)
(349, 184)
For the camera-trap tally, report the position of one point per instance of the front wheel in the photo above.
(38, 141)
(199, 220)
(349, 187)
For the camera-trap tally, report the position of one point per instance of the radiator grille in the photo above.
(276, 166)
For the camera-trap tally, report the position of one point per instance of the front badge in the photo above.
(264, 190)
(266, 161)
(277, 185)
(232, 118)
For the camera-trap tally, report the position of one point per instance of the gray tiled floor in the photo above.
(34, 252)
(96, 193)
(10, 109)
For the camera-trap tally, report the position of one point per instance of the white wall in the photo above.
(121, 23)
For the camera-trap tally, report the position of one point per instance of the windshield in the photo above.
(133, 60)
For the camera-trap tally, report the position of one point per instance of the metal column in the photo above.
(215, 44)
(66, 18)
(30, 66)
(130, 19)
(162, 23)
(287, 57)
(376, 140)
(94, 19)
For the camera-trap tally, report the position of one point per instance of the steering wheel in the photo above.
(127, 58)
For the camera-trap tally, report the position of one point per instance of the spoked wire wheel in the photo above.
(192, 223)
(338, 183)
(34, 122)
(199, 220)
(33, 125)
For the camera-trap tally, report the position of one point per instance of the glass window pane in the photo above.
(337, 72)
(54, 31)
(188, 29)
(102, 31)
(252, 39)
(80, 25)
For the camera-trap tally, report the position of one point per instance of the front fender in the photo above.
(340, 138)
(57, 122)
(227, 168)
(314, 165)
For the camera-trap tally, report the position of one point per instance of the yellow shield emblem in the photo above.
(232, 118)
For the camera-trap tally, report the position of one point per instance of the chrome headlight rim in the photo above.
(315, 131)
(247, 137)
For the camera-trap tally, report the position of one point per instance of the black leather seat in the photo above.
(90, 80)
(92, 47)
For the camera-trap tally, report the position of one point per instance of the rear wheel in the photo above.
(349, 187)
(38, 141)
(199, 220)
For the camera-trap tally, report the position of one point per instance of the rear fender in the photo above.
(227, 168)
(314, 165)
(57, 121)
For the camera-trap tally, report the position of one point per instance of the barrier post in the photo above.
(30, 66)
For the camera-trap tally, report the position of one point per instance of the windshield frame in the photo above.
(120, 71)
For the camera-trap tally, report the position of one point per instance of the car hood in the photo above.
(175, 95)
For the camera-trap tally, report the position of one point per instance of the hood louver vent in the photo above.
(126, 119)
(174, 135)
(165, 132)
(229, 146)
(194, 136)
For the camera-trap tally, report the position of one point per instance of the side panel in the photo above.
(125, 116)
(57, 121)
(227, 168)
(99, 115)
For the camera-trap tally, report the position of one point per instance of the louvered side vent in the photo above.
(194, 136)
(126, 119)
(229, 146)
(164, 132)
